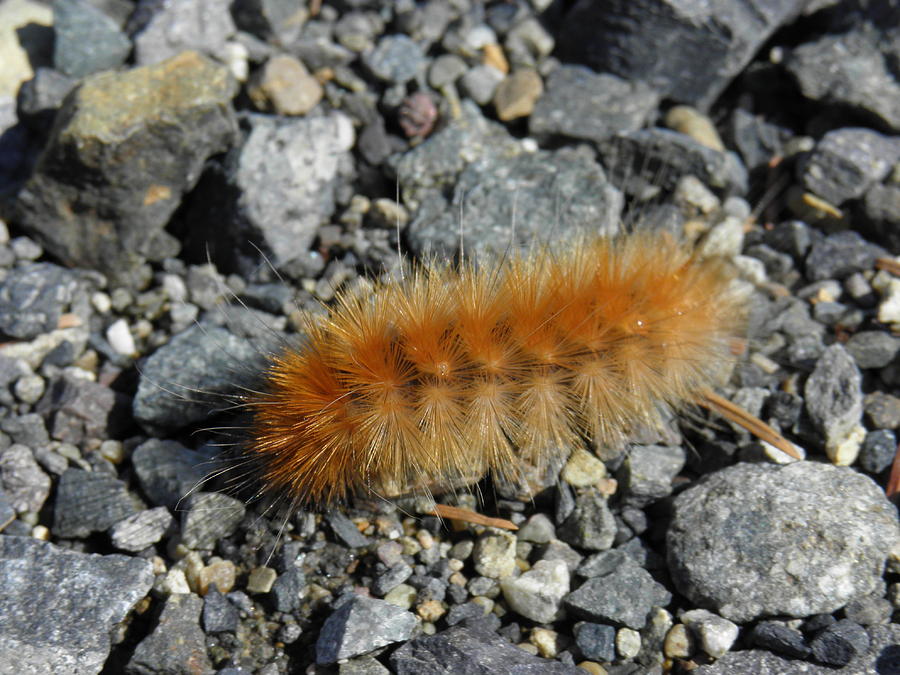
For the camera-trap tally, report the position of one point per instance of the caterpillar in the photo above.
(451, 373)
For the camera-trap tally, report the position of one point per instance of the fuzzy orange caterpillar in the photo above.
(441, 378)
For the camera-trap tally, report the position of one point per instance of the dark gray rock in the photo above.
(591, 525)
(208, 517)
(25, 485)
(854, 69)
(141, 530)
(33, 297)
(581, 104)
(880, 215)
(833, 394)
(86, 40)
(177, 643)
(26, 429)
(873, 348)
(286, 590)
(90, 501)
(345, 530)
(839, 255)
(840, 643)
(756, 540)
(162, 30)
(219, 615)
(698, 47)
(58, 607)
(517, 201)
(361, 625)
(78, 410)
(273, 192)
(756, 139)
(878, 451)
(168, 471)
(468, 610)
(115, 168)
(182, 380)
(655, 158)
(396, 59)
(40, 97)
(623, 595)
(464, 650)
(596, 641)
(846, 162)
(780, 639)
(392, 577)
(266, 19)
(648, 471)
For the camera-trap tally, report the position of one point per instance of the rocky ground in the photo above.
(181, 181)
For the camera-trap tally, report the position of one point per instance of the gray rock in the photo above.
(208, 517)
(40, 97)
(537, 594)
(392, 577)
(839, 255)
(361, 625)
(219, 615)
(396, 59)
(177, 643)
(286, 590)
(780, 639)
(345, 530)
(58, 607)
(518, 201)
(648, 471)
(560, 550)
(761, 540)
(854, 69)
(26, 429)
(869, 611)
(657, 158)
(538, 529)
(25, 485)
(79, 410)
(846, 162)
(698, 47)
(33, 297)
(164, 29)
(86, 40)
(168, 471)
(141, 530)
(581, 104)
(873, 348)
(878, 450)
(126, 160)
(840, 643)
(591, 525)
(274, 191)
(279, 19)
(464, 650)
(880, 214)
(623, 595)
(833, 394)
(181, 380)
(596, 641)
(90, 501)
(480, 83)
(883, 410)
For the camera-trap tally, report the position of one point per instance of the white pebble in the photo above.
(120, 339)
(101, 302)
(889, 309)
(29, 388)
(628, 643)
(716, 634)
(844, 450)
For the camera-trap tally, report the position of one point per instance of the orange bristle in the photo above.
(430, 382)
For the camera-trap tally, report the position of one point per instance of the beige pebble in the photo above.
(546, 641)
(583, 469)
(222, 573)
(679, 643)
(283, 85)
(261, 580)
(517, 94)
(431, 610)
(693, 123)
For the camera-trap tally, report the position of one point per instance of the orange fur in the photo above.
(448, 375)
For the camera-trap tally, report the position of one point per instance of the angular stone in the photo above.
(86, 40)
(116, 166)
(361, 625)
(760, 540)
(32, 299)
(177, 644)
(208, 517)
(90, 501)
(58, 607)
